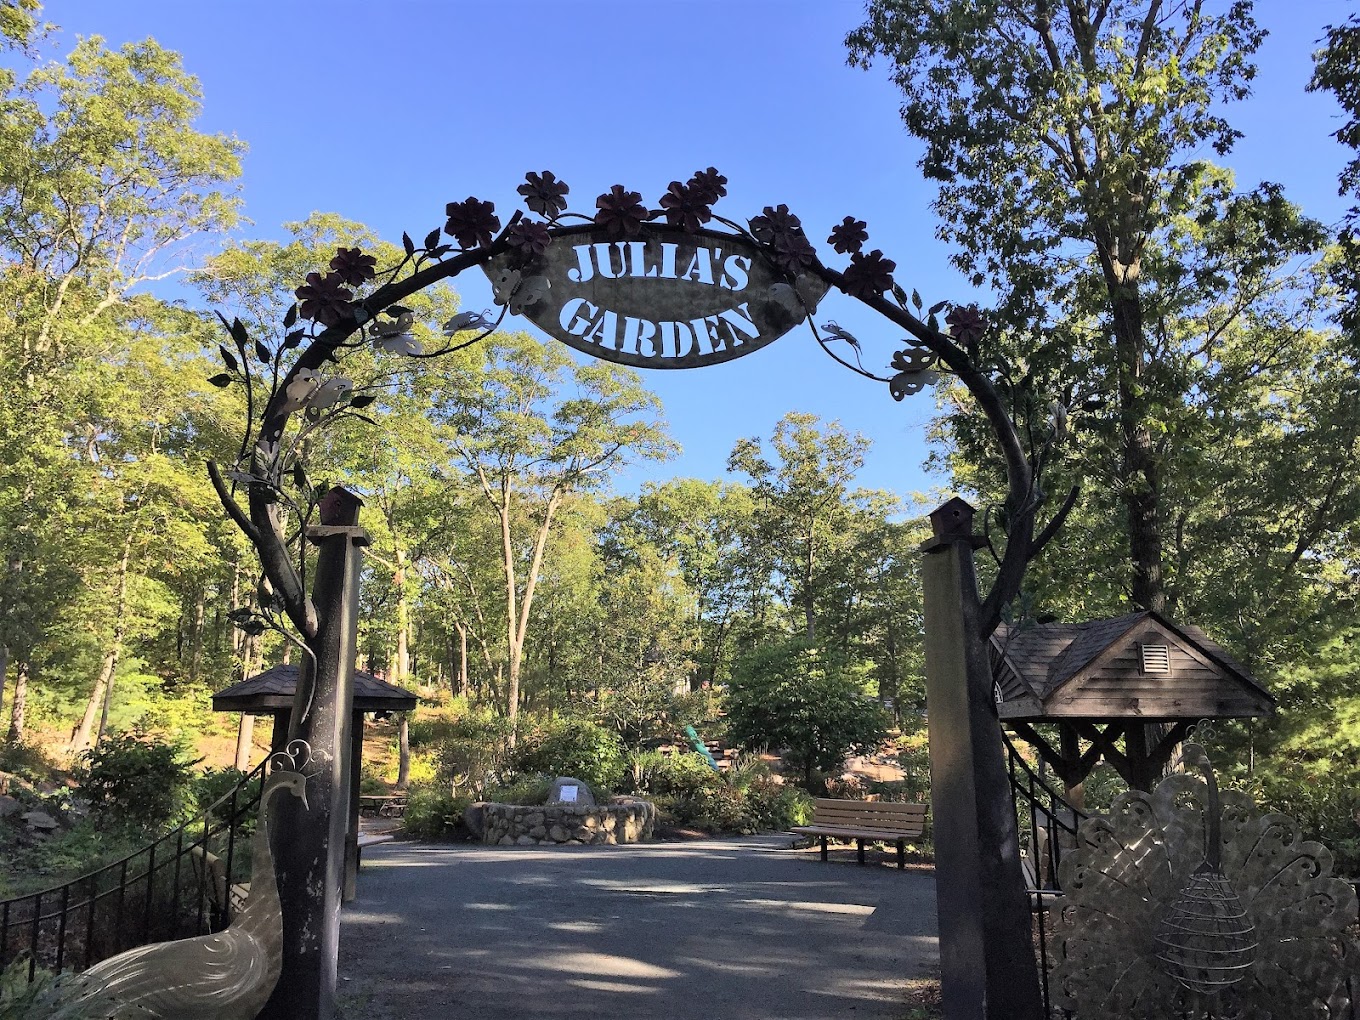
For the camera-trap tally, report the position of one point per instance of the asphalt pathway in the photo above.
(709, 930)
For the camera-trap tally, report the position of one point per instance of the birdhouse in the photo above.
(953, 519)
(340, 508)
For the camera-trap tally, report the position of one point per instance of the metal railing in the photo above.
(1048, 826)
(182, 884)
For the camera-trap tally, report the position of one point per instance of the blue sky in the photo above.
(384, 112)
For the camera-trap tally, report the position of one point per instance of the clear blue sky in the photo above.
(384, 112)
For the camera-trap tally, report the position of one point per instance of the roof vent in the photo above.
(1156, 658)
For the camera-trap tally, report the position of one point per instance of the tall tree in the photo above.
(1067, 140)
(528, 443)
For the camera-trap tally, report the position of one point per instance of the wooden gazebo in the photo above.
(271, 693)
(1138, 676)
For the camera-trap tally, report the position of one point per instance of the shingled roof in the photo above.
(267, 692)
(1033, 661)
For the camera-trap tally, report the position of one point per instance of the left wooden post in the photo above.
(309, 845)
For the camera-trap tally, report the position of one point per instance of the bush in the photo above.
(757, 804)
(526, 790)
(659, 773)
(576, 748)
(27, 761)
(792, 698)
(467, 748)
(433, 812)
(127, 781)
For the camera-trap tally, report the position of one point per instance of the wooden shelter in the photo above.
(1138, 676)
(271, 693)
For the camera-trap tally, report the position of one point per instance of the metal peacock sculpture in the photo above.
(1183, 904)
(228, 975)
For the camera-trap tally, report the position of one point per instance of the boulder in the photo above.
(40, 821)
(566, 790)
(474, 817)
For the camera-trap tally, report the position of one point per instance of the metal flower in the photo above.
(324, 299)
(299, 390)
(465, 321)
(621, 212)
(849, 235)
(529, 238)
(966, 324)
(774, 221)
(353, 266)
(709, 184)
(331, 392)
(686, 206)
(835, 331)
(793, 252)
(472, 222)
(869, 275)
(400, 343)
(543, 193)
(393, 327)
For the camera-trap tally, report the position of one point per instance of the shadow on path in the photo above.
(712, 930)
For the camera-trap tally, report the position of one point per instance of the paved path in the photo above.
(706, 930)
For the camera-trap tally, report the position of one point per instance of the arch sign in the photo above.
(669, 299)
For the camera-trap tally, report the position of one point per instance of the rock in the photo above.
(566, 790)
(474, 817)
(505, 841)
(525, 841)
(8, 806)
(538, 831)
(558, 834)
(40, 820)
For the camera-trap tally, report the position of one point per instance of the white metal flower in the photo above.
(531, 290)
(333, 391)
(300, 390)
(504, 284)
(467, 321)
(400, 343)
(394, 327)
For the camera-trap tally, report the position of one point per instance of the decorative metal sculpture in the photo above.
(1184, 904)
(228, 975)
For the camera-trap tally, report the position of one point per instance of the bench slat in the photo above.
(860, 819)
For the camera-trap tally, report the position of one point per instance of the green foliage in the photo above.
(28, 761)
(526, 790)
(131, 781)
(433, 811)
(791, 697)
(466, 746)
(574, 747)
(656, 772)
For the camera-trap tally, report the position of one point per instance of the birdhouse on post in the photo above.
(339, 508)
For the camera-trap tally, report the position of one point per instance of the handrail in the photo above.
(72, 918)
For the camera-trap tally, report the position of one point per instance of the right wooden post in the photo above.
(987, 964)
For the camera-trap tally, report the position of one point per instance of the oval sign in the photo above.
(668, 300)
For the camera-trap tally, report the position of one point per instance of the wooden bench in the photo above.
(390, 805)
(862, 820)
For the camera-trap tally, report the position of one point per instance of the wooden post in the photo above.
(245, 735)
(987, 964)
(356, 758)
(309, 844)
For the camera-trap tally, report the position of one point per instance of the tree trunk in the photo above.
(19, 703)
(462, 661)
(4, 675)
(403, 751)
(196, 636)
(245, 736)
(102, 696)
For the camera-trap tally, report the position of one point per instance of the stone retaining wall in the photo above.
(516, 825)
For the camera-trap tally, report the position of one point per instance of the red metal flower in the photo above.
(472, 223)
(686, 207)
(544, 193)
(709, 184)
(793, 252)
(529, 238)
(966, 325)
(325, 299)
(353, 266)
(621, 212)
(774, 221)
(849, 235)
(869, 275)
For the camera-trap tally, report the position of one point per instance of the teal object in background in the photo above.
(699, 746)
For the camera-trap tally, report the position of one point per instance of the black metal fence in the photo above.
(1048, 828)
(187, 882)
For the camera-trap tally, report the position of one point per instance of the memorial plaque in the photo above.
(670, 299)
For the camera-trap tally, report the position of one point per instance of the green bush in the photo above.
(28, 761)
(759, 805)
(577, 748)
(658, 773)
(135, 782)
(433, 812)
(466, 747)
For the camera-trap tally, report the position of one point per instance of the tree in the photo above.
(801, 499)
(1066, 139)
(528, 449)
(791, 697)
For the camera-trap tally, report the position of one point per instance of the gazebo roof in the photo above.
(1097, 670)
(269, 692)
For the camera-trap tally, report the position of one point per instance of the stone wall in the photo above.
(623, 821)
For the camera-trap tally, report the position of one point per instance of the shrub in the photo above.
(433, 812)
(27, 761)
(468, 751)
(792, 698)
(531, 789)
(135, 782)
(577, 748)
